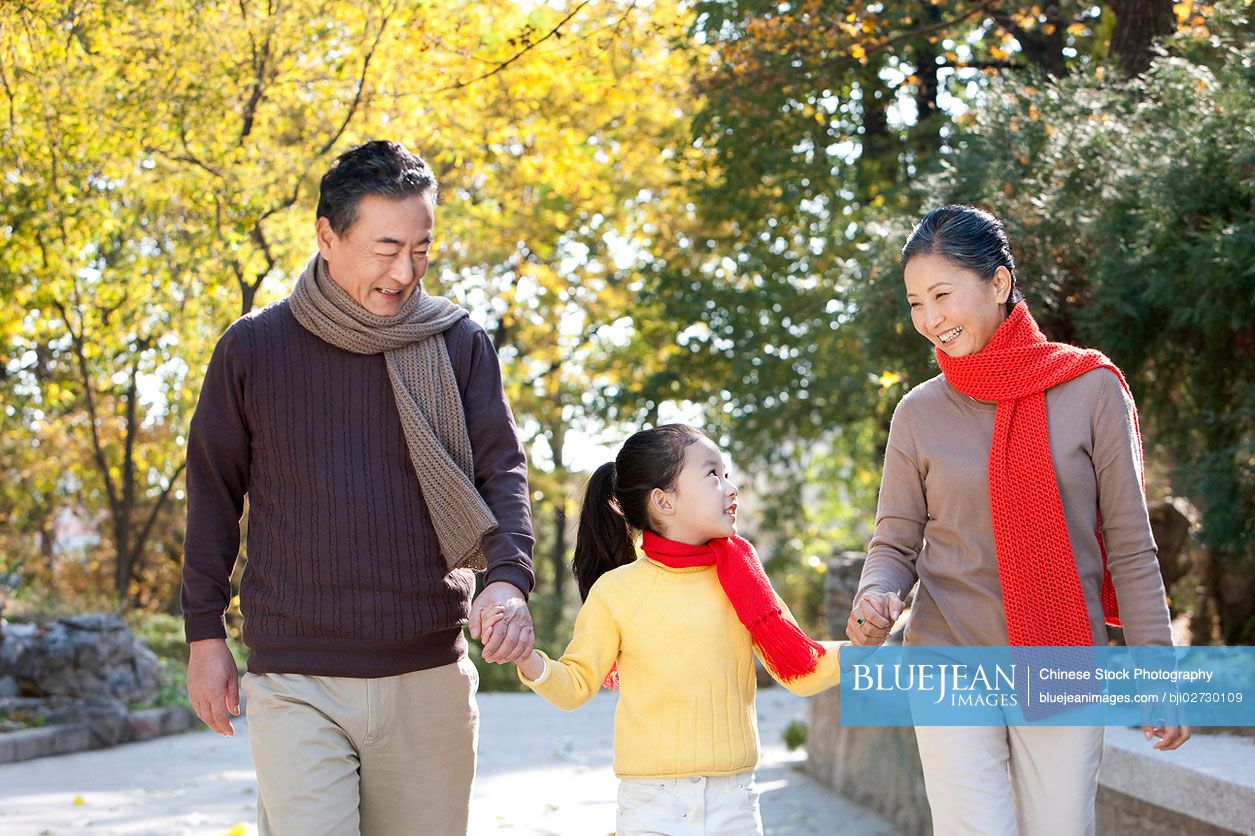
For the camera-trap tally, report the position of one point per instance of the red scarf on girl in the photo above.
(784, 647)
(1041, 589)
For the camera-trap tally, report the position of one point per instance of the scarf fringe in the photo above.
(785, 649)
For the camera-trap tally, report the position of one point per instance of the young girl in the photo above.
(680, 627)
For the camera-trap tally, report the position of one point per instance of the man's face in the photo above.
(382, 257)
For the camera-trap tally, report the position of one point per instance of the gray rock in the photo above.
(17, 637)
(87, 656)
(19, 630)
(840, 584)
(107, 719)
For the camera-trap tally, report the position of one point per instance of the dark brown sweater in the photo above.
(344, 575)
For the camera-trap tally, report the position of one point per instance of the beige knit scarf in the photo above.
(426, 393)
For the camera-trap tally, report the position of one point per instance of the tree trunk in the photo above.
(124, 509)
(1138, 24)
(1042, 47)
(248, 295)
(878, 164)
(557, 554)
(926, 137)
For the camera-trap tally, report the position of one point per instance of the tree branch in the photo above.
(557, 365)
(882, 44)
(458, 85)
(259, 84)
(8, 91)
(361, 86)
(152, 515)
(76, 340)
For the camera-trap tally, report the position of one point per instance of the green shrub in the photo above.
(794, 735)
(162, 633)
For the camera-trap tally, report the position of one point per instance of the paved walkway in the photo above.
(541, 771)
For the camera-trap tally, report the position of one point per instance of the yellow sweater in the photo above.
(686, 671)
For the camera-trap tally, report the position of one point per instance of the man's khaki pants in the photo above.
(1008, 780)
(338, 755)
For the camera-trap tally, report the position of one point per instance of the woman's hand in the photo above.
(1170, 737)
(872, 617)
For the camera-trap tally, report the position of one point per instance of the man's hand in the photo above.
(511, 638)
(872, 618)
(213, 684)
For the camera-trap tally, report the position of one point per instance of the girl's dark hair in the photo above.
(969, 237)
(617, 498)
(379, 167)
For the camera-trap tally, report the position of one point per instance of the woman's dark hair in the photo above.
(380, 167)
(617, 498)
(969, 237)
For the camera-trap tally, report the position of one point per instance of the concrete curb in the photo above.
(1211, 779)
(26, 744)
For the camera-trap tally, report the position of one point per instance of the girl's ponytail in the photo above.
(603, 540)
(617, 496)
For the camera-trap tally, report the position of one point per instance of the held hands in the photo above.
(532, 665)
(872, 617)
(213, 684)
(499, 617)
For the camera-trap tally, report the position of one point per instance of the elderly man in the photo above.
(365, 421)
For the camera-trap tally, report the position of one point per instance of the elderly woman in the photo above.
(1012, 491)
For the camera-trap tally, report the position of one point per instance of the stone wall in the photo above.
(81, 671)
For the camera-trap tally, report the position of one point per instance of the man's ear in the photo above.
(326, 237)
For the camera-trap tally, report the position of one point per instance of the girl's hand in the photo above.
(533, 667)
(872, 617)
(489, 617)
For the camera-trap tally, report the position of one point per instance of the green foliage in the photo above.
(1128, 202)
(173, 690)
(794, 735)
(1131, 208)
(161, 633)
(41, 605)
(1175, 302)
(662, 207)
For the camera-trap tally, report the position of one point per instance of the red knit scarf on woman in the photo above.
(1041, 588)
(784, 647)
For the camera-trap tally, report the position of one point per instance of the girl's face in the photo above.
(953, 307)
(701, 505)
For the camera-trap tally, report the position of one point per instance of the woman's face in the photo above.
(953, 307)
